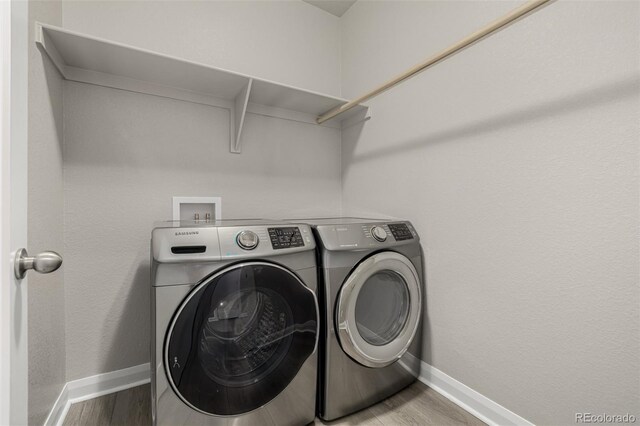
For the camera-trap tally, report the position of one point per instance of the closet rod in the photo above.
(490, 29)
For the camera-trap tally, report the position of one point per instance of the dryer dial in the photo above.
(379, 233)
(247, 240)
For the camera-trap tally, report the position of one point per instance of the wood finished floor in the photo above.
(416, 405)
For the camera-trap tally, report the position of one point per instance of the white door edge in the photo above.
(5, 289)
(14, 32)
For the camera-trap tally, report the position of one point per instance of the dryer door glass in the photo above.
(240, 337)
(379, 309)
(382, 307)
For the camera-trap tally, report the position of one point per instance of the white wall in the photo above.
(517, 161)
(127, 154)
(289, 42)
(45, 218)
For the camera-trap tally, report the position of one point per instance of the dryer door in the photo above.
(378, 309)
(240, 337)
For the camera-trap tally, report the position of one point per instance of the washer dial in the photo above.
(379, 233)
(247, 240)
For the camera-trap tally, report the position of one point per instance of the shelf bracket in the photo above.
(46, 46)
(238, 114)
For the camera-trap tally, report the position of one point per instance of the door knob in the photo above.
(44, 263)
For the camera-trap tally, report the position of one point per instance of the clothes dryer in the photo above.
(371, 304)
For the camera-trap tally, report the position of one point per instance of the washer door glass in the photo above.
(240, 337)
(379, 309)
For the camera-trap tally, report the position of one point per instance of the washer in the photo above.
(234, 316)
(371, 311)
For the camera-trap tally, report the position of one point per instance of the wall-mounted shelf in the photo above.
(87, 59)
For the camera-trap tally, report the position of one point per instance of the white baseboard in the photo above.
(474, 402)
(59, 410)
(95, 386)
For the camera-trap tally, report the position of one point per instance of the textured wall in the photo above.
(517, 161)
(45, 218)
(126, 155)
(289, 42)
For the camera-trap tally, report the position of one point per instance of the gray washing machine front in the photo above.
(371, 305)
(234, 323)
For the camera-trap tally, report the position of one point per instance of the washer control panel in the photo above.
(173, 243)
(287, 237)
(400, 231)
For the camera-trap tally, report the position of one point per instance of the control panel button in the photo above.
(247, 240)
(400, 231)
(285, 237)
(379, 233)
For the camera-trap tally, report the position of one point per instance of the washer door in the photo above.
(379, 309)
(240, 337)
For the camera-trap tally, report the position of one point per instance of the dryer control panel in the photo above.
(400, 231)
(350, 234)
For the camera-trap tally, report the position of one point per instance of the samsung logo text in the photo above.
(187, 233)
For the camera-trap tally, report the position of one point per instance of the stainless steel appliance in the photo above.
(371, 311)
(234, 323)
